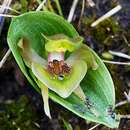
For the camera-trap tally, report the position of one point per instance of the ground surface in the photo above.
(21, 108)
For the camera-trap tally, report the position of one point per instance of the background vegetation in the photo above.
(21, 108)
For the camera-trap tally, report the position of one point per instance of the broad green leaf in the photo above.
(97, 84)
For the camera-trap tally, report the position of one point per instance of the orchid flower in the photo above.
(57, 73)
(54, 59)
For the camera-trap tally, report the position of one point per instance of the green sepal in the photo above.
(86, 55)
(62, 43)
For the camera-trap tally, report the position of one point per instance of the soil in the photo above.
(21, 107)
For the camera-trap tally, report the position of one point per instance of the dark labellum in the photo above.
(58, 68)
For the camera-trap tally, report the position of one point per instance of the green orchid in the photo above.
(57, 63)
(63, 76)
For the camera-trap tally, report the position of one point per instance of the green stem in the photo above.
(50, 6)
(59, 7)
(24, 4)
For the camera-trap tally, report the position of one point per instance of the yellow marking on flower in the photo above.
(62, 43)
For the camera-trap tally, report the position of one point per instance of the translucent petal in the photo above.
(79, 92)
(44, 92)
(45, 96)
(85, 54)
(29, 55)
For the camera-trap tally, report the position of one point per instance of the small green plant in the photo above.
(52, 56)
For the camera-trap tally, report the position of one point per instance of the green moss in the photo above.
(87, 21)
(105, 31)
(18, 116)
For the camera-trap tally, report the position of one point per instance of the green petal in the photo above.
(79, 92)
(62, 43)
(85, 54)
(62, 87)
(44, 92)
(45, 95)
(29, 55)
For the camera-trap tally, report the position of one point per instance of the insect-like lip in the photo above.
(56, 65)
(59, 68)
